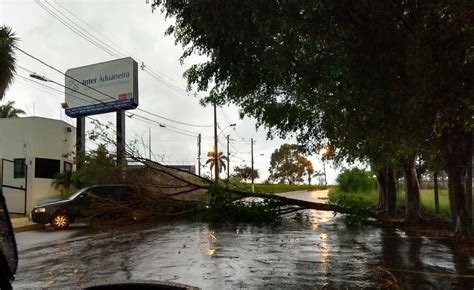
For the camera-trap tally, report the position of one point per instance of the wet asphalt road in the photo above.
(313, 252)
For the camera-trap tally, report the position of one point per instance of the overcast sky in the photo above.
(126, 28)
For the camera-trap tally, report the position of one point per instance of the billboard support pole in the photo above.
(80, 140)
(120, 137)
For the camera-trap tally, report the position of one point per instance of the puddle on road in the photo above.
(315, 252)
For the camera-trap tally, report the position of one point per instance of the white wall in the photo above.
(30, 138)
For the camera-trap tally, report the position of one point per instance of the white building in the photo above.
(32, 151)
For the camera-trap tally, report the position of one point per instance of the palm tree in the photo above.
(7, 59)
(9, 111)
(221, 160)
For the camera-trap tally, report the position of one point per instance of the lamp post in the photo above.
(228, 152)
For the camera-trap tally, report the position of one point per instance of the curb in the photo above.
(29, 227)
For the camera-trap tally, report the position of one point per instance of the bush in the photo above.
(355, 180)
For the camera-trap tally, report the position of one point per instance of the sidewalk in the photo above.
(23, 224)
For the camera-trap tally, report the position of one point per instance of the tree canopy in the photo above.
(287, 165)
(7, 58)
(246, 173)
(379, 81)
(221, 160)
(9, 111)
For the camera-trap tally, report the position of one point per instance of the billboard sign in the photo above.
(102, 88)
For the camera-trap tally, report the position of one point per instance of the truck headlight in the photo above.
(40, 209)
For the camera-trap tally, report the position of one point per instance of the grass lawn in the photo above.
(277, 188)
(365, 199)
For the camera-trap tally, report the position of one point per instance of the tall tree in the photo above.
(379, 80)
(287, 165)
(308, 168)
(9, 111)
(221, 160)
(7, 58)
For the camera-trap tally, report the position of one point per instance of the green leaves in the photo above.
(9, 111)
(378, 80)
(221, 160)
(245, 173)
(7, 58)
(287, 165)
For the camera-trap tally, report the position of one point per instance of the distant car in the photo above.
(63, 212)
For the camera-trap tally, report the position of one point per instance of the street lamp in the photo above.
(228, 152)
(38, 77)
(228, 126)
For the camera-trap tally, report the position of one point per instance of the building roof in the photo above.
(25, 119)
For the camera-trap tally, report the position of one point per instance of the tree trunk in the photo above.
(469, 183)
(387, 191)
(456, 189)
(412, 189)
(457, 158)
(436, 195)
(381, 188)
(391, 192)
(419, 176)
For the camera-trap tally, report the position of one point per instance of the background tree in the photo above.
(308, 168)
(287, 165)
(246, 173)
(99, 167)
(221, 160)
(7, 58)
(9, 111)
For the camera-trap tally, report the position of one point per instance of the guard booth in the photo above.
(34, 150)
(14, 184)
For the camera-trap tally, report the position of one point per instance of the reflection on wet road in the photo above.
(316, 251)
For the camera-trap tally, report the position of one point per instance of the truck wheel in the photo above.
(60, 221)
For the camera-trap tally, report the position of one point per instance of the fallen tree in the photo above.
(164, 191)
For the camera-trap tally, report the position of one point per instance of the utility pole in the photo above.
(253, 177)
(216, 150)
(199, 154)
(228, 159)
(149, 143)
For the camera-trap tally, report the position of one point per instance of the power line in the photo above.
(75, 30)
(91, 27)
(147, 120)
(141, 110)
(107, 48)
(152, 70)
(100, 101)
(53, 89)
